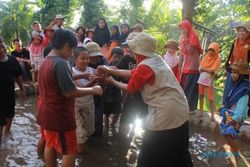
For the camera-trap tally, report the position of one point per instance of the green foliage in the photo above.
(93, 10)
(15, 16)
(219, 16)
(161, 39)
(162, 23)
(50, 8)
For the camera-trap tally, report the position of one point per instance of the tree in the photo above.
(137, 11)
(50, 8)
(188, 9)
(16, 17)
(162, 22)
(93, 10)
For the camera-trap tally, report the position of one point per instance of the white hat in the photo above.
(59, 16)
(130, 37)
(143, 44)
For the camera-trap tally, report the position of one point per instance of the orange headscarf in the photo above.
(240, 51)
(211, 62)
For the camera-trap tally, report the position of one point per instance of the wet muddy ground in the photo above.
(117, 148)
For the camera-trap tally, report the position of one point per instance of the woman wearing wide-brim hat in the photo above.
(240, 50)
(165, 142)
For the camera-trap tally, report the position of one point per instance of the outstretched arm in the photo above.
(79, 92)
(114, 72)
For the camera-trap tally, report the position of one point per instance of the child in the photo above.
(84, 106)
(114, 40)
(96, 59)
(81, 31)
(48, 33)
(209, 64)
(10, 71)
(90, 34)
(37, 29)
(235, 105)
(36, 50)
(113, 100)
(57, 90)
(22, 55)
(172, 59)
(165, 141)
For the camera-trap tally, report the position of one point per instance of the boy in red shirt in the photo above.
(56, 101)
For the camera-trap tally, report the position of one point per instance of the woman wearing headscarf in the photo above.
(190, 50)
(240, 50)
(102, 35)
(125, 30)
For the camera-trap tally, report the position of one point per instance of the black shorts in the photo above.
(112, 108)
(7, 107)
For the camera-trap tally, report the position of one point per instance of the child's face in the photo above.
(49, 33)
(17, 45)
(37, 27)
(94, 60)
(101, 24)
(67, 51)
(115, 59)
(211, 52)
(235, 76)
(91, 35)
(171, 50)
(82, 60)
(242, 33)
(113, 31)
(126, 50)
(124, 29)
(2, 50)
(37, 41)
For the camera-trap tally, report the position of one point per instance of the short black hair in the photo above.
(61, 37)
(16, 40)
(78, 50)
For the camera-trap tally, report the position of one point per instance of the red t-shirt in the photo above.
(55, 111)
(140, 76)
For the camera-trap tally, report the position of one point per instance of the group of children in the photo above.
(131, 58)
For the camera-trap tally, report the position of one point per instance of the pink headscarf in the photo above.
(192, 40)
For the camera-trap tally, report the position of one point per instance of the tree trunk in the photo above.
(188, 9)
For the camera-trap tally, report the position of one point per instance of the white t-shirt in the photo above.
(83, 82)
